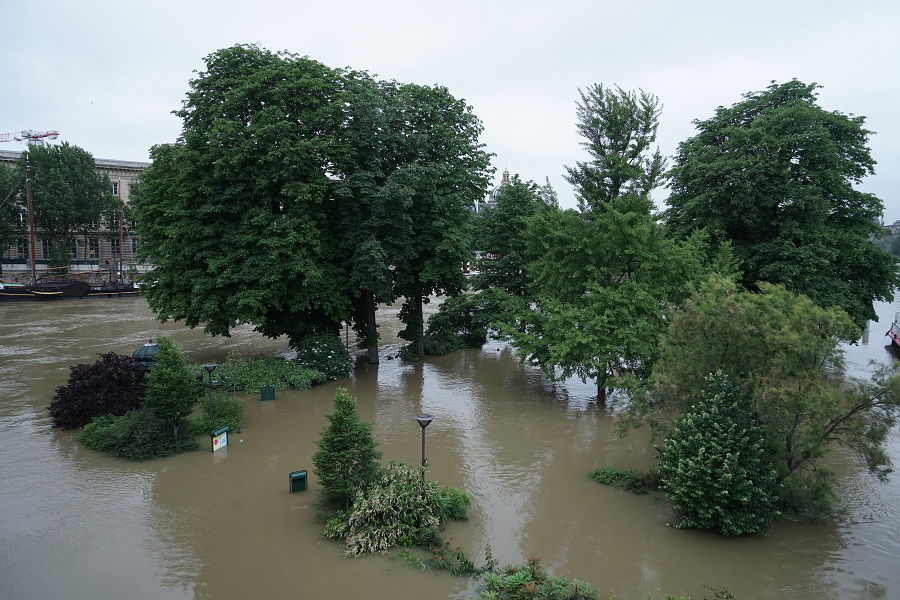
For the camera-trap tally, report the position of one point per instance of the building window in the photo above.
(115, 188)
(21, 248)
(73, 248)
(133, 246)
(114, 247)
(45, 249)
(93, 246)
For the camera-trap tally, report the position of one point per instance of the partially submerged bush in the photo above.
(218, 411)
(346, 462)
(250, 375)
(137, 435)
(401, 509)
(715, 467)
(633, 481)
(531, 581)
(465, 321)
(108, 386)
(455, 503)
(325, 354)
(172, 390)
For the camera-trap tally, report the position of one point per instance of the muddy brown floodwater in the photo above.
(79, 524)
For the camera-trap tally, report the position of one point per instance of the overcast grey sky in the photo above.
(108, 74)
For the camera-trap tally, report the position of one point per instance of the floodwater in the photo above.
(78, 524)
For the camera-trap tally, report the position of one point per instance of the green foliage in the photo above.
(250, 375)
(218, 411)
(172, 390)
(11, 194)
(136, 435)
(108, 386)
(401, 508)
(774, 175)
(233, 212)
(467, 320)
(633, 481)
(454, 559)
(605, 279)
(783, 352)
(455, 503)
(531, 581)
(325, 354)
(715, 466)
(346, 462)
(69, 195)
(499, 235)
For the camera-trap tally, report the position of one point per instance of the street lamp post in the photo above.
(423, 420)
(209, 368)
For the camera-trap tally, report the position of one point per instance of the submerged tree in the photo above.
(172, 390)
(774, 175)
(604, 279)
(233, 213)
(346, 462)
(783, 352)
(715, 466)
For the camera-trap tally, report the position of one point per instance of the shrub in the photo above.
(633, 481)
(136, 435)
(455, 503)
(218, 411)
(346, 461)
(250, 375)
(714, 466)
(530, 581)
(326, 354)
(108, 386)
(172, 390)
(401, 509)
(465, 321)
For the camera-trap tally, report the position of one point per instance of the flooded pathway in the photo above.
(78, 524)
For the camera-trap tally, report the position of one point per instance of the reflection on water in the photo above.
(80, 524)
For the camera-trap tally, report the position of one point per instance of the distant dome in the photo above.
(491, 200)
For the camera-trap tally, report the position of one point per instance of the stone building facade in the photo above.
(98, 252)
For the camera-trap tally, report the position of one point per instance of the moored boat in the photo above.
(45, 290)
(894, 331)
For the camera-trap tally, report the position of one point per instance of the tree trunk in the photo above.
(420, 327)
(601, 390)
(371, 329)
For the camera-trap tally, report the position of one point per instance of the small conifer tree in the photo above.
(714, 466)
(172, 390)
(347, 459)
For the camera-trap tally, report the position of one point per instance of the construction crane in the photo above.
(30, 136)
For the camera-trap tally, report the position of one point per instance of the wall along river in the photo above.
(79, 524)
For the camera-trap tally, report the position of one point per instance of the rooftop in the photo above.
(108, 163)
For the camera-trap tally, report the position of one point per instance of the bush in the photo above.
(326, 354)
(633, 481)
(346, 462)
(455, 503)
(401, 509)
(136, 435)
(108, 386)
(218, 411)
(531, 582)
(714, 466)
(172, 390)
(250, 375)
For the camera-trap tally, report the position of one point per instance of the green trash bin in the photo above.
(298, 481)
(267, 392)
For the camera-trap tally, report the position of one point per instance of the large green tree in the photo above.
(69, 196)
(233, 214)
(774, 175)
(605, 278)
(500, 235)
(443, 171)
(783, 351)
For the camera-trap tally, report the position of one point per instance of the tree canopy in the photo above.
(774, 175)
(783, 352)
(69, 195)
(299, 196)
(604, 278)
